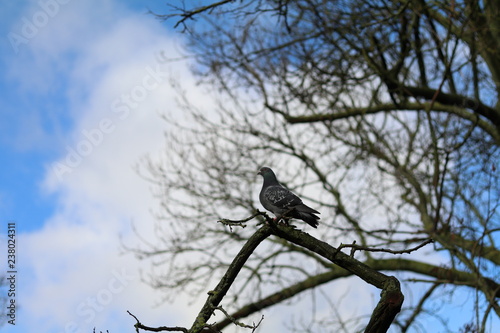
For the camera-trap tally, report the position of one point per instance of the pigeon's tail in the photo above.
(306, 214)
(309, 218)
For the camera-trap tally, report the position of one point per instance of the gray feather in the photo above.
(278, 200)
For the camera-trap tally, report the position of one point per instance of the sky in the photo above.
(83, 86)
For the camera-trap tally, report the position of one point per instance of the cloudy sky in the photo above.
(83, 85)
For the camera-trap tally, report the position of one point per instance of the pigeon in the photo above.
(279, 200)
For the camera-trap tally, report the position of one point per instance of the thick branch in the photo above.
(455, 99)
(441, 274)
(284, 294)
(383, 315)
(327, 251)
(460, 111)
(216, 295)
(475, 247)
(389, 305)
(391, 298)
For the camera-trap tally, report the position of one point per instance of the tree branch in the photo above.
(216, 295)
(284, 294)
(454, 99)
(189, 14)
(383, 315)
(236, 322)
(442, 275)
(354, 247)
(391, 298)
(453, 108)
(139, 326)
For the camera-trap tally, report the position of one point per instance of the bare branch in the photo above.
(240, 223)
(237, 323)
(190, 14)
(216, 295)
(356, 247)
(139, 326)
(386, 116)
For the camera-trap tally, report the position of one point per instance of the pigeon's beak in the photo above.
(259, 173)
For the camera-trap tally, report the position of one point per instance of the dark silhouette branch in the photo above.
(446, 103)
(354, 247)
(236, 322)
(383, 315)
(441, 276)
(365, 89)
(391, 298)
(139, 326)
(284, 294)
(190, 14)
(239, 223)
(216, 295)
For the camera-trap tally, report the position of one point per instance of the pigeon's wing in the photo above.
(281, 198)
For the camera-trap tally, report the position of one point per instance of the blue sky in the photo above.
(81, 96)
(39, 92)
(82, 90)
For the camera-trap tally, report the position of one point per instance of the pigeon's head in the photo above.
(266, 172)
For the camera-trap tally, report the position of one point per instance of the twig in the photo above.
(234, 321)
(238, 223)
(241, 223)
(189, 14)
(258, 324)
(355, 248)
(138, 326)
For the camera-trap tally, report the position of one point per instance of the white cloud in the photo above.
(73, 277)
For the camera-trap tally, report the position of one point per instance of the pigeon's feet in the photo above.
(283, 221)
